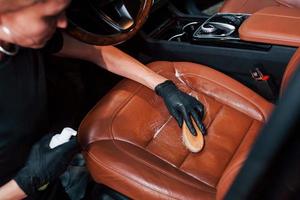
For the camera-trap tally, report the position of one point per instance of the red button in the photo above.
(265, 78)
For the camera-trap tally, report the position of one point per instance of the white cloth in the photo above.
(62, 138)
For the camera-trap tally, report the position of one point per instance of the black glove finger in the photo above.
(199, 122)
(178, 117)
(188, 121)
(200, 108)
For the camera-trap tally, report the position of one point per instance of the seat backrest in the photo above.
(252, 6)
(246, 6)
(291, 68)
(290, 3)
(241, 154)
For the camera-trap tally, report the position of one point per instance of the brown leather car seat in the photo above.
(134, 146)
(251, 6)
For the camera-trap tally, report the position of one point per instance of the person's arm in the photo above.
(11, 191)
(180, 105)
(113, 60)
(42, 167)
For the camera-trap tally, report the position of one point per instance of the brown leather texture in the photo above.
(291, 68)
(273, 25)
(290, 3)
(246, 6)
(133, 145)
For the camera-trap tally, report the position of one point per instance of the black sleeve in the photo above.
(55, 44)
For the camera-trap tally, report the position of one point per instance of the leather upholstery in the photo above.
(290, 3)
(252, 6)
(133, 145)
(285, 30)
(291, 68)
(246, 6)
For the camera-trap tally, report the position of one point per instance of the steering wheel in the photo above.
(106, 22)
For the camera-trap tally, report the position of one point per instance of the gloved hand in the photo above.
(44, 164)
(182, 106)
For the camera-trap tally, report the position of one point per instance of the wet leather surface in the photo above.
(132, 144)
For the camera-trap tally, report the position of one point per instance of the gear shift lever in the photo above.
(208, 28)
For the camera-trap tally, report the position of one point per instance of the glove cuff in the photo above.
(165, 88)
(25, 184)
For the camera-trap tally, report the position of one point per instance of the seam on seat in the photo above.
(143, 161)
(197, 75)
(216, 115)
(120, 148)
(153, 167)
(219, 111)
(114, 113)
(127, 177)
(258, 110)
(188, 154)
(242, 6)
(235, 151)
(160, 170)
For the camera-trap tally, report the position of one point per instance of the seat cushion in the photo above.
(133, 145)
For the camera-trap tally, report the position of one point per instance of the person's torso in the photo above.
(23, 109)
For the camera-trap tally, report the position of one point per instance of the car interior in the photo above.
(236, 57)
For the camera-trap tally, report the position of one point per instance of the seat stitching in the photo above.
(158, 169)
(148, 164)
(219, 111)
(127, 177)
(236, 94)
(118, 110)
(243, 5)
(152, 167)
(131, 155)
(216, 115)
(197, 75)
(192, 74)
(186, 156)
(136, 158)
(122, 106)
(235, 151)
(113, 115)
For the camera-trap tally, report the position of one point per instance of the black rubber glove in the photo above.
(44, 165)
(182, 106)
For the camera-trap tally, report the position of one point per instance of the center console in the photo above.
(220, 26)
(214, 41)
